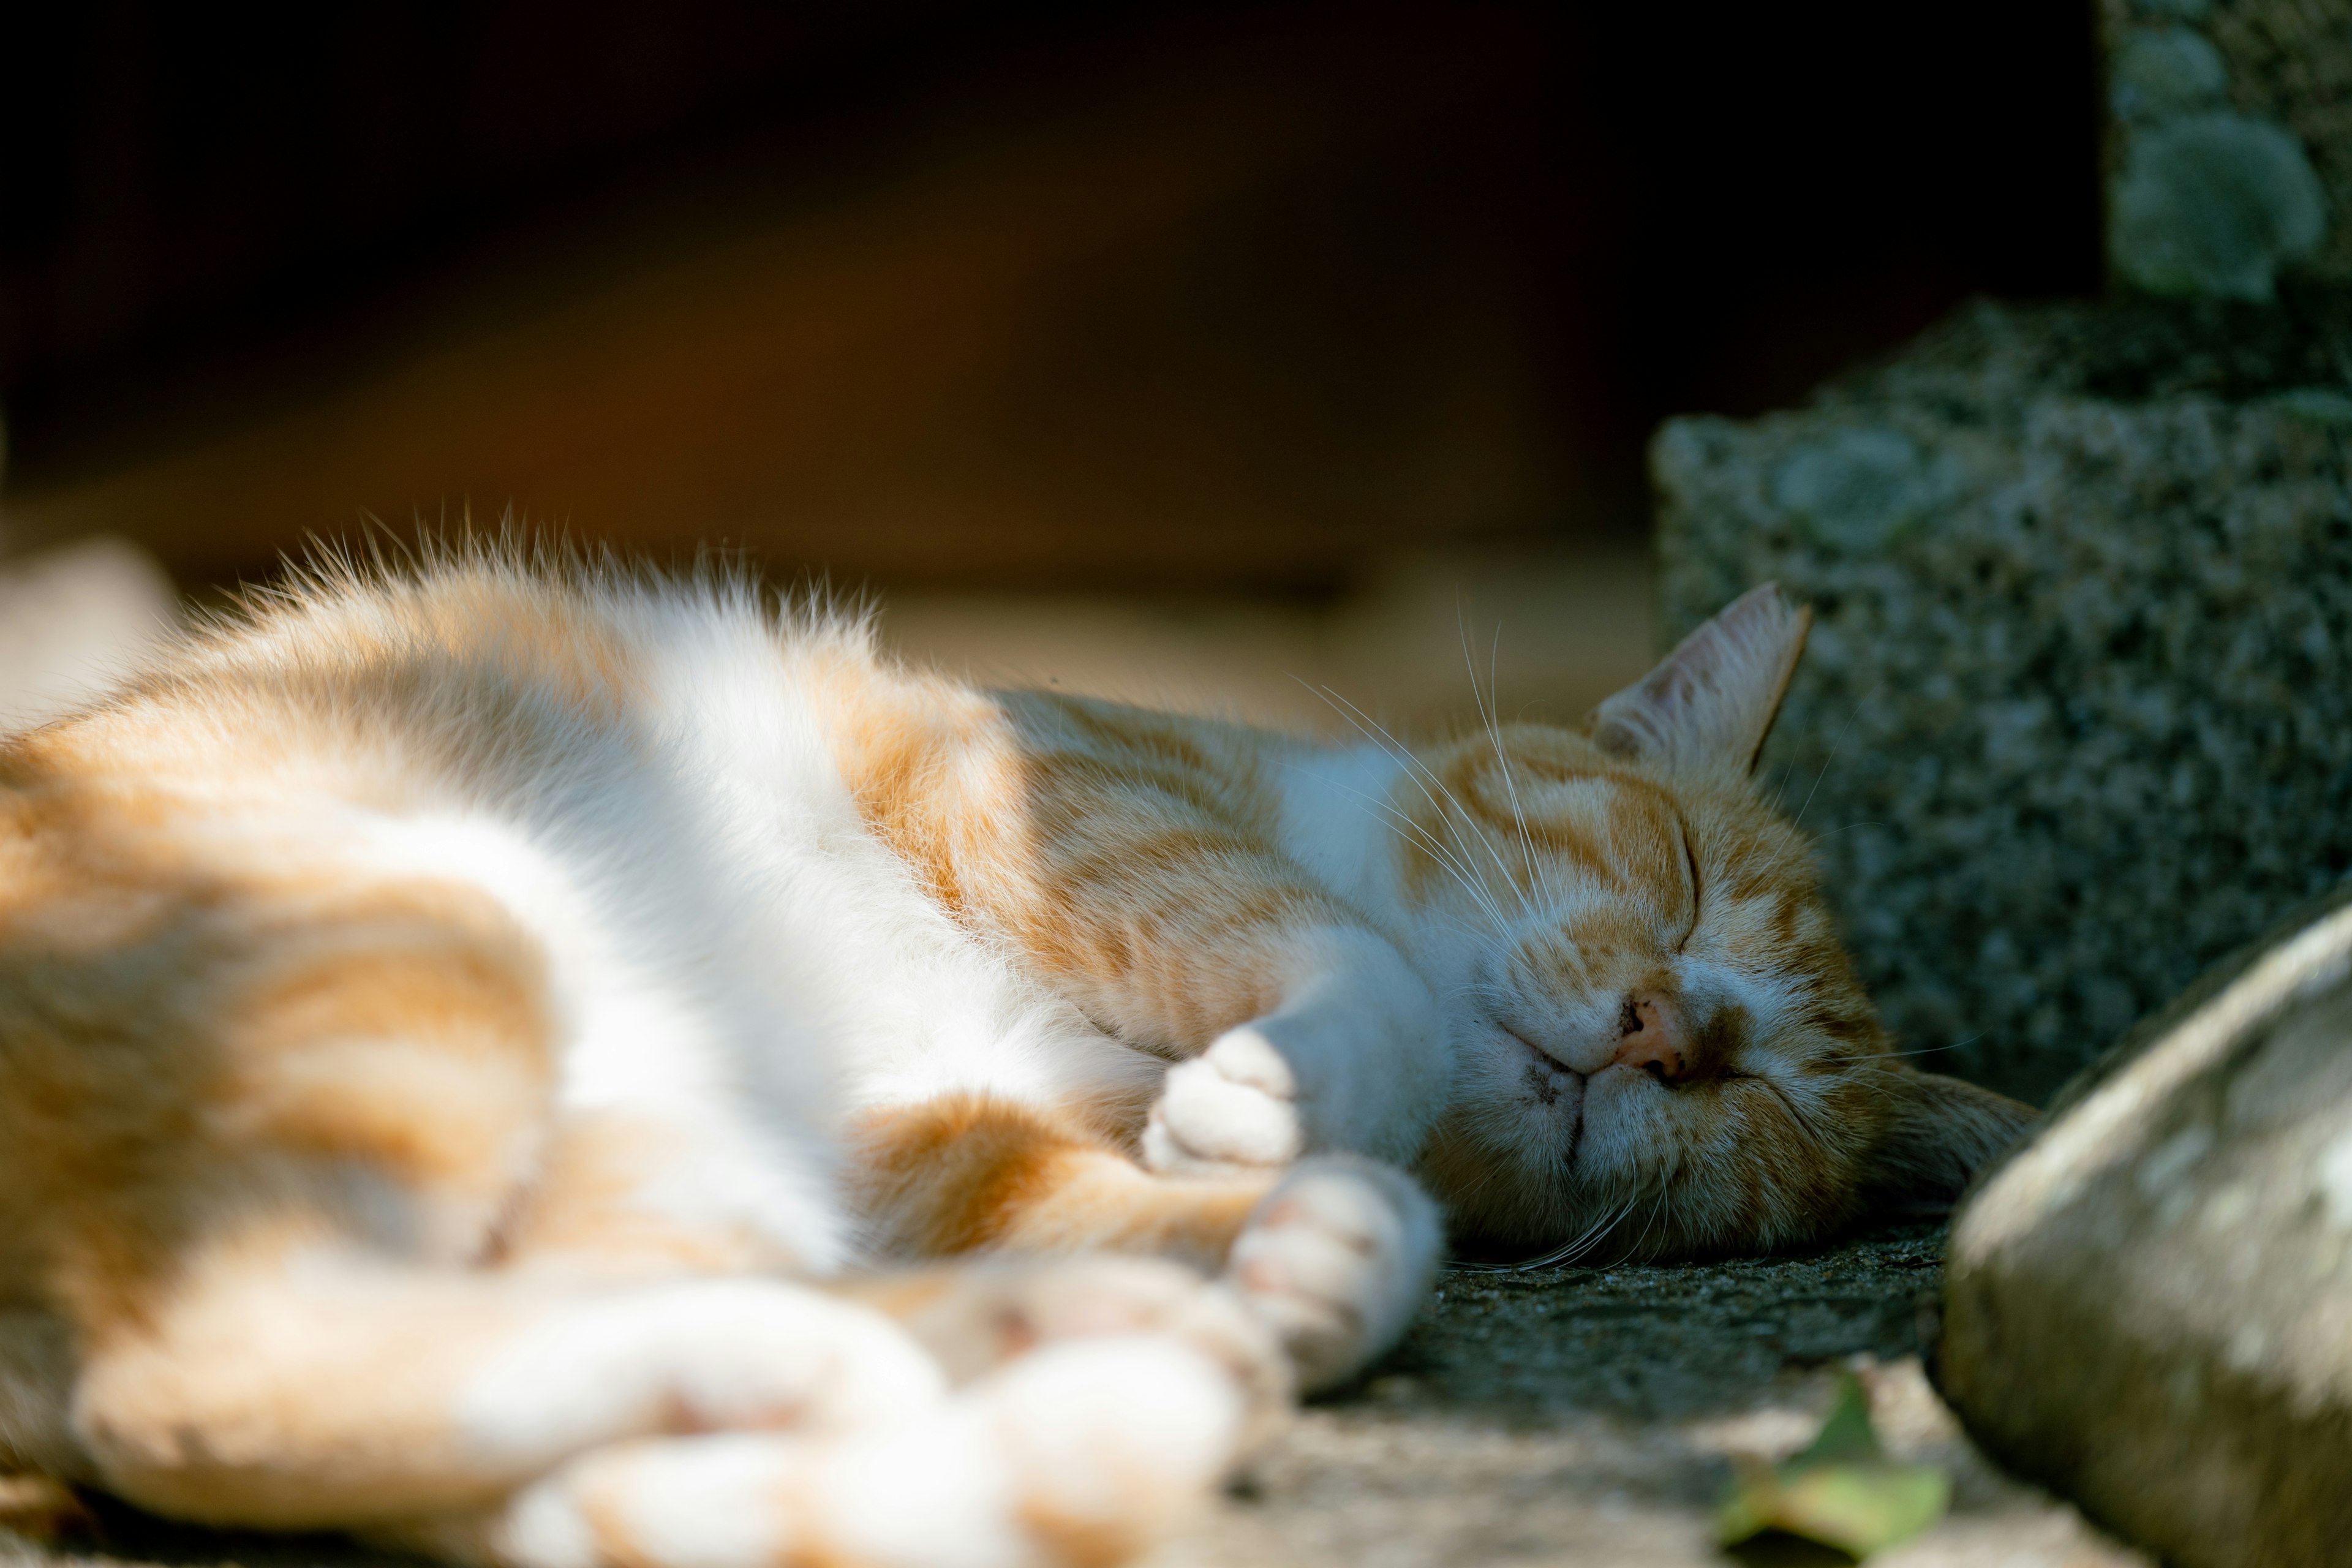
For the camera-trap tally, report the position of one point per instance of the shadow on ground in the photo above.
(1589, 1415)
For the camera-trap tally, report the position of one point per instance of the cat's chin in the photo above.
(1552, 1099)
(1500, 1170)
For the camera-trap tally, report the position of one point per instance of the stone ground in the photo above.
(1588, 1416)
(1564, 1417)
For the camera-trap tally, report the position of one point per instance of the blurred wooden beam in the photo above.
(1001, 356)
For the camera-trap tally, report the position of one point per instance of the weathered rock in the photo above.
(2229, 144)
(2150, 1306)
(2077, 718)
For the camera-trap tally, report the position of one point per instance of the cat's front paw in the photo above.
(1231, 1109)
(1335, 1261)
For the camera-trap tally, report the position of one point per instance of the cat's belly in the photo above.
(691, 1093)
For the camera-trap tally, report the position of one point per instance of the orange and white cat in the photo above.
(458, 1031)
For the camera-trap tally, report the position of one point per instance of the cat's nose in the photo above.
(1655, 1040)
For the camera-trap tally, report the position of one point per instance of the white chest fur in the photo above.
(1338, 819)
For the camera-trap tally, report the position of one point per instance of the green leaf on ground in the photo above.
(1842, 1491)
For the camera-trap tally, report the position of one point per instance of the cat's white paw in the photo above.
(1335, 1261)
(1083, 1451)
(1233, 1108)
(718, 1354)
(995, 1311)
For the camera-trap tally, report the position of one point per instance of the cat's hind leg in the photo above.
(1075, 1455)
(698, 1424)
(977, 1315)
(1337, 1260)
(305, 1389)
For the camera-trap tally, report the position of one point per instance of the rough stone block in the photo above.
(2076, 719)
(2150, 1306)
(2228, 143)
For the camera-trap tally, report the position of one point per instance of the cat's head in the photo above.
(1662, 1048)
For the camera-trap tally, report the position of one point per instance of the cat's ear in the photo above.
(1709, 704)
(1938, 1132)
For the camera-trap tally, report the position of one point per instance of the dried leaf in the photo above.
(1847, 1438)
(1842, 1491)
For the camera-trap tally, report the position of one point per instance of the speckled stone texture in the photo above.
(2076, 717)
(2291, 60)
(2150, 1305)
(2228, 144)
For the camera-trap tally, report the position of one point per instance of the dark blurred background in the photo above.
(1108, 299)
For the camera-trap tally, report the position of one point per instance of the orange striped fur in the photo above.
(963, 1175)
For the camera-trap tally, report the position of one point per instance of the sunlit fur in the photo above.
(450, 1018)
(434, 1012)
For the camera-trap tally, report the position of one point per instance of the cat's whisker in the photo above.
(1539, 871)
(1612, 1212)
(1568, 1252)
(1873, 1057)
(1590, 1241)
(1418, 771)
(1598, 1231)
(1445, 857)
(1657, 1210)
(1489, 715)
(1843, 730)
(1477, 889)
(1453, 812)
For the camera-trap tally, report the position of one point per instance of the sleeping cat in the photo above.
(459, 1030)
(1583, 982)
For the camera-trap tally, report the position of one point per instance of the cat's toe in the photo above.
(1112, 1441)
(990, 1313)
(1228, 1110)
(1335, 1261)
